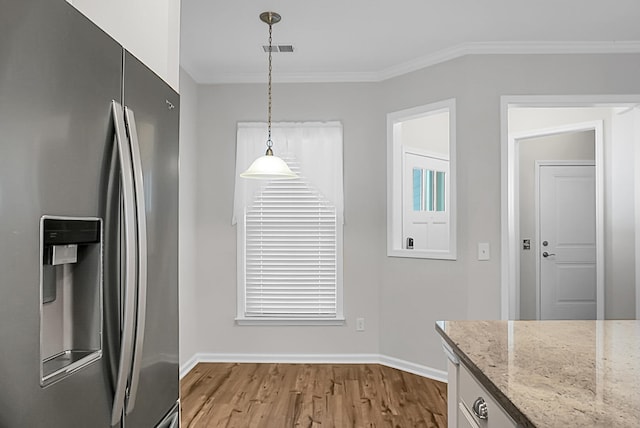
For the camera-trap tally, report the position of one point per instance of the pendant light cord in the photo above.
(269, 166)
(269, 142)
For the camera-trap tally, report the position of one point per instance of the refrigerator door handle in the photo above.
(172, 420)
(142, 257)
(126, 341)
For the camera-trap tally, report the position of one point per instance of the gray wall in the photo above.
(189, 307)
(566, 146)
(415, 293)
(219, 109)
(399, 298)
(622, 219)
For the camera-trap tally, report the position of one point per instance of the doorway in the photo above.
(575, 142)
(616, 192)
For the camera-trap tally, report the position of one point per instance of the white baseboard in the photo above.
(189, 365)
(384, 360)
(420, 370)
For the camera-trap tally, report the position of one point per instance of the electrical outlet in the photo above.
(483, 251)
(359, 324)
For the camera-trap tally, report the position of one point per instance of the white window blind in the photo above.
(290, 231)
(291, 251)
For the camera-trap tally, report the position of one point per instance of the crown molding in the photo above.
(510, 48)
(477, 48)
(283, 77)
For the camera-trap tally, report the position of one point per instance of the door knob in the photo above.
(545, 254)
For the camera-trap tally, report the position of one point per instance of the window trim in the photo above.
(394, 182)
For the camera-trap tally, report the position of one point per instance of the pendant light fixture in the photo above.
(269, 166)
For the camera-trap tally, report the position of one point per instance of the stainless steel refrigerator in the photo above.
(88, 227)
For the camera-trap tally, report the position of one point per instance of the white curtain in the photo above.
(317, 146)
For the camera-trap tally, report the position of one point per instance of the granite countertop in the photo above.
(555, 373)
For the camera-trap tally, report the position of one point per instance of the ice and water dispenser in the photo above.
(71, 295)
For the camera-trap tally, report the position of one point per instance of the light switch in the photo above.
(483, 251)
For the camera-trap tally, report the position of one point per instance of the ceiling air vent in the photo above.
(278, 48)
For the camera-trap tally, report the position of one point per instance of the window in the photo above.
(428, 190)
(290, 231)
(421, 196)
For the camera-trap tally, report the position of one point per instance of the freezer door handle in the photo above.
(172, 419)
(142, 257)
(128, 315)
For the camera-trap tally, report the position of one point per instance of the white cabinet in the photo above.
(479, 409)
(469, 403)
(149, 29)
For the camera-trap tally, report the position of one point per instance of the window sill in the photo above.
(290, 321)
(422, 254)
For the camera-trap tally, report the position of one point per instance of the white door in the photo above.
(567, 241)
(425, 200)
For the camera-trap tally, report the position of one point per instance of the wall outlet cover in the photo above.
(483, 251)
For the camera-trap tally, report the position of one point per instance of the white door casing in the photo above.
(636, 124)
(567, 223)
(509, 195)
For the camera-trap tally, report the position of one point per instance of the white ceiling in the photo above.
(370, 40)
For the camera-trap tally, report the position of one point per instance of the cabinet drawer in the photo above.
(465, 418)
(469, 391)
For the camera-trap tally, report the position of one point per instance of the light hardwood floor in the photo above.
(309, 395)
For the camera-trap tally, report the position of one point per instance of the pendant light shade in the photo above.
(269, 166)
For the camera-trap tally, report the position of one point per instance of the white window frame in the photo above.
(395, 168)
(243, 319)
